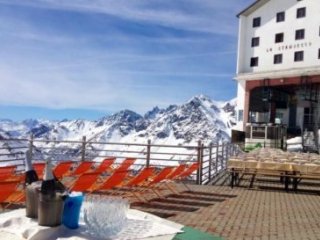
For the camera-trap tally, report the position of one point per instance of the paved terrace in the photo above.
(265, 211)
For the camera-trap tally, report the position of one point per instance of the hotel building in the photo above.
(278, 65)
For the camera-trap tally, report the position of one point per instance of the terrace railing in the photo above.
(212, 158)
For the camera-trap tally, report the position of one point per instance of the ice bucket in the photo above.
(50, 210)
(32, 199)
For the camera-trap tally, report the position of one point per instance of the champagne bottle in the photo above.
(30, 174)
(48, 186)
(32, 184)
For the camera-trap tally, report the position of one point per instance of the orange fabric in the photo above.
(16, 197)
(176, 172)
(85, 182)
(83, 168)
(141, 177)
(113, 181)
(6, 189)
(161, 175)
(62, 169)
(105, 164)
(16, 177)
(125, 165)
(6, 172)
(39, 168)
(189, 170)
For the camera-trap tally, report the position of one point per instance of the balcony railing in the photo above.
(212, 158)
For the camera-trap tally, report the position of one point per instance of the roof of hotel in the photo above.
(254, 6)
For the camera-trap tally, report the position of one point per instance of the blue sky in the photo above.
(88, 58)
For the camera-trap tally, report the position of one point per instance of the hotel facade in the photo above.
(278, 65)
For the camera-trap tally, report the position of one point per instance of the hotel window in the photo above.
(301, 12)
(256, 22)
(298, 56)
(277, 58)
(278, 38)
(308, 118)
(255, 42)
(280, 16)
(299, 34)
(240, 115)
(254, 62)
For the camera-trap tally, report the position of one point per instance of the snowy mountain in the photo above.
(200, 118)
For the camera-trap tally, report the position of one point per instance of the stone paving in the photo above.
(265, 211)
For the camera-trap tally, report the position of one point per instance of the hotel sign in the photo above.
(289, 47)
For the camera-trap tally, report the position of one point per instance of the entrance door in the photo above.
(292, 116)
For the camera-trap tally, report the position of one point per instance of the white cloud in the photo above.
(210, 16)
(45, 69)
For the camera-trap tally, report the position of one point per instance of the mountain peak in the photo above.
(153, 113)
(198, 118)
(127, 115)
(200, 98)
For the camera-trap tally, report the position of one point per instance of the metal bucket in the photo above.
(32, 199)
(50, 210)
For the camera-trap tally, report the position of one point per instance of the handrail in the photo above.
(212, 157)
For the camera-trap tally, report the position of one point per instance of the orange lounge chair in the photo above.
(161, 176)
(83, 167)
(105, 165)
(62, 169)
(188, 170)
(6, 189)
(116, 179)
(39, 168)
(120, 177)
(9, 193)
(85, 182)
(179, 172)
(120, 180)
(176, 172)
(137, 181)
(152, 180)
(193, 167)
(141, 177)
(124, 166)
(7, 172)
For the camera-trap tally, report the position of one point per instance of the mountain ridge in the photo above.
(200, 118)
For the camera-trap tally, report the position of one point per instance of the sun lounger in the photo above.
(39, 168)
(7, 172)
(83, 167)
(105, 165)
(62, 169)
(176, 172)
(124, 166)
(188, 171)
(152, 182)
(123, 184)
(179, 173)
(10, 193)
(85, 182)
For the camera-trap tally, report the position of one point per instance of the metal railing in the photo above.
(212, 158)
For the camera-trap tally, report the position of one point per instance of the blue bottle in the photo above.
(71, 210)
